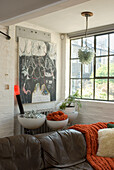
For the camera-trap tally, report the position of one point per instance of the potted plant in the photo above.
(71, 106)
(85, 55)
(71, 101)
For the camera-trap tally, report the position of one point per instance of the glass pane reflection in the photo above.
(101, 89)
(87, 88)
(75, 46)
(75, 85)
(101, 66)
(75, 69)
(102, 45)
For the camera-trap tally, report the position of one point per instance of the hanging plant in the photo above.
(85, 55)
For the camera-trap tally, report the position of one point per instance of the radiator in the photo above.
(43, 129)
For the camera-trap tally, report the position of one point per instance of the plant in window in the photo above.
(71, 101)
(85, 55)
(71, 106)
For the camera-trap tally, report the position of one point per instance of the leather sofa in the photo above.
(64, 149)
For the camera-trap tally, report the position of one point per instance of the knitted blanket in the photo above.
(91, 135)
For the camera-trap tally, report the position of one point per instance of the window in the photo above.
(95, 80)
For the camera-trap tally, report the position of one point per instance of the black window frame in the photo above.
(94, 67)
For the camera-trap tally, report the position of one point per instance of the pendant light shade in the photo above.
(86, 53)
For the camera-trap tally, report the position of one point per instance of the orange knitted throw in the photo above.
(91, 135)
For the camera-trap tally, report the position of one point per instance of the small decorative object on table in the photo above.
(31, 119)
(71, 106)
(57, 120)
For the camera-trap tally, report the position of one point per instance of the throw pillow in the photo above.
(106, 142)
(109, 125)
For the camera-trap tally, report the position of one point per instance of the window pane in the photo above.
(75, 69)
(102, 45)
(90, 42)
(75, 45)
(88, 70)
(101, 89)
(87, 88)
(111, 66)
(75, 85)
(101, 66)
(111, 43)
(104, 65)
(111, 89)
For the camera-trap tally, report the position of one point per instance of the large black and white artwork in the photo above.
(37, 71)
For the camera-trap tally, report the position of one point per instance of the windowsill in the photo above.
(97, 101)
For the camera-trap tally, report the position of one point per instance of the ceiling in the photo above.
(63, 16)
(19, 7)
(15, 11)
(70, 19)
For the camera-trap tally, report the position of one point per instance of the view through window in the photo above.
(95, 80)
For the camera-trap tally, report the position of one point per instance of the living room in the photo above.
(59, 23)
(92, 110)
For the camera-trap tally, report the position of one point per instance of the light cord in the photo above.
(86, 29)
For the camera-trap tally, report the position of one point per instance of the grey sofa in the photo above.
(64, 149)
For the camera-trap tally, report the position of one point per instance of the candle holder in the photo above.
(17, 93)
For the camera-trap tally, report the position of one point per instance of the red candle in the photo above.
(16, 89)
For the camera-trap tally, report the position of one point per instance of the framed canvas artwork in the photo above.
(37, 71)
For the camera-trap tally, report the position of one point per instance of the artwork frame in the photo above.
(37, 70)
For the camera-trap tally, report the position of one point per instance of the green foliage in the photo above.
(101, 84)
(85, 56)
(63, 106)
(103, 95)
(71, 99)
(102, 72)
(111, 69)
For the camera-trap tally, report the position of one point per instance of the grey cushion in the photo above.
(63, 148)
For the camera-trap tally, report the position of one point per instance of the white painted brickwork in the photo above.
(6, 95)
(91, 112)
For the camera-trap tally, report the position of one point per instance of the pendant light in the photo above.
(86, 53)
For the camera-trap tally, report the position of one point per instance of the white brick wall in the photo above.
(91, 111)
(9, 75)
(6, 78)
(95, 111)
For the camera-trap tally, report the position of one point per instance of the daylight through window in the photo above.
(95, 80)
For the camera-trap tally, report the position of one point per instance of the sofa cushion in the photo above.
(106, 142)
(63, 148)
(21, 152)
(109, 125)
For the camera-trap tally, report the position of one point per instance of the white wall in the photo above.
(91, 111)
(95, 111)
(6, 79)
(9, 65)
